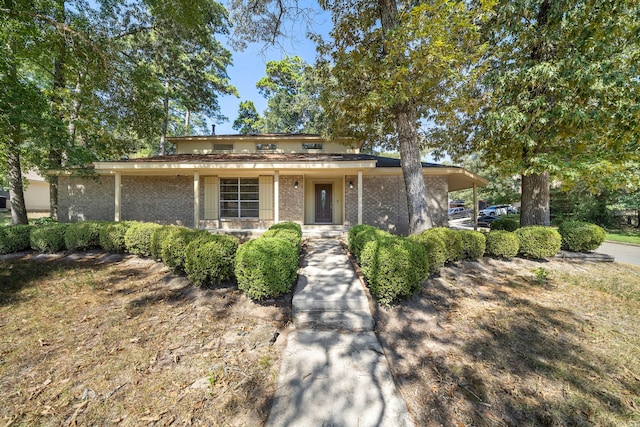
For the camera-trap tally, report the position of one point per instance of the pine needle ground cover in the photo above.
(98, 339)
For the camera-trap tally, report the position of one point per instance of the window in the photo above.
(266, 147)
(312, 146)
(222, 147)
(239, 198)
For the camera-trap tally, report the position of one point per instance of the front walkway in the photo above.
(334, 372)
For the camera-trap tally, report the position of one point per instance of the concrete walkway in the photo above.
(334, 372)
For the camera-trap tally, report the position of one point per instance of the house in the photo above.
(253, 181)
(36, 193)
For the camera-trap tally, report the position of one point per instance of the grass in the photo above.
(5, 216)
(631, 236)
(102, 339)
(519, 343)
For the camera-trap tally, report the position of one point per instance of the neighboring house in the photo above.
(36, 193)
(253, 181)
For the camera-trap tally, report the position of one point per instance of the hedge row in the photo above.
(267, 267)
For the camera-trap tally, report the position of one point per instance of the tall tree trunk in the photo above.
(187, 122)
(59, 83)
(410, 161)
(165, 120)
(535, 200)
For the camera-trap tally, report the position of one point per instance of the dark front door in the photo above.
(324, 208)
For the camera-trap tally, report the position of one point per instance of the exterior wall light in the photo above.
(350, 184)
(295, 184)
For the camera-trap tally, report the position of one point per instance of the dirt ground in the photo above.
(519, 343)
(102, 339)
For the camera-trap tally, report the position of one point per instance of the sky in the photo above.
(249, 66)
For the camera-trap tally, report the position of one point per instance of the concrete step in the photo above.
(353, 321)
(302, 303)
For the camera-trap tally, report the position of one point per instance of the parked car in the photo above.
(455, 211)
(486, 220)
(497, 210)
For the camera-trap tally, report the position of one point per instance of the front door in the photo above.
(324, 206)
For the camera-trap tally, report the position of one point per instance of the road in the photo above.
(622, 253)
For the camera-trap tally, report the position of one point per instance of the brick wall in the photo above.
(291, 203)
(384, 202)
(86, 198)
(160, 199)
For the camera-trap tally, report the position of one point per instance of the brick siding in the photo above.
(291, 203)
(86, 198)
(160, 199)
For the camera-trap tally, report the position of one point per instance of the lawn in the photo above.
(519, 343)
(631, 236)
(98, 339)
(5, 216)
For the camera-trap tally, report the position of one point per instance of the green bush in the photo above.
(473, 244)
(394, 267)
(112, 237)
(83, 235)
(210, 260)
(157, 237)
(452, 241)
(137, 239)
(580, 236)
(356, 245)
(354, 231)
(502, 243)
(506, 224)
(435, 248)
(175, 243)
(288, 226)
(284, 233)
(48, 238)
(15, 238)
(538, 242)
(266, 267)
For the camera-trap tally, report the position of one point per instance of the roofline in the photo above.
(262, 137)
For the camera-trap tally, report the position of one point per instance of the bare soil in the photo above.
(519, 343)
(99, 339)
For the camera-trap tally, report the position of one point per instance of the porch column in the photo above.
(196, 200)
(475, 206)
(276, 197)
(359, 197)
(118, 196)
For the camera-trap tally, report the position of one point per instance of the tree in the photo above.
(249, 120)
(559, 96)
(292, 91)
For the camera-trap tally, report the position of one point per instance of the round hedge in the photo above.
(284, 233)
(175, 243)
(355, 230)
(210, 260)
(112, 237)
(48, 238)
(506, 224)
(266, 267)
(83, 235)
(394, 267)
(473, 244)
(357, 243)
(288, 225)
(157, 237)
(580, 236)
(435, 248)
(452, 241)
(137, 239)
(538, 241)
(502, 243)
(15, 238)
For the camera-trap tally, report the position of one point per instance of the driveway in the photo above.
(629, 254)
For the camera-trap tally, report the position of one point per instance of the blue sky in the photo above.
(249, 66)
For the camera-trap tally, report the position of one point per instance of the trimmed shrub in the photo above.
(506, 224)
(452, 241)
(473, 244)
(284, 233)
(157, 237)
(538, 242)
(175, 243)
(83, 235)
(580, 236)
(394, 267)
(502, 243)
(356, 245)
(288, 226)
(112, 237)
(354, 231)
(266, 267)
(48, 238)
(15, 238)
(435, 248)
(137, 239)
(210, 260)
